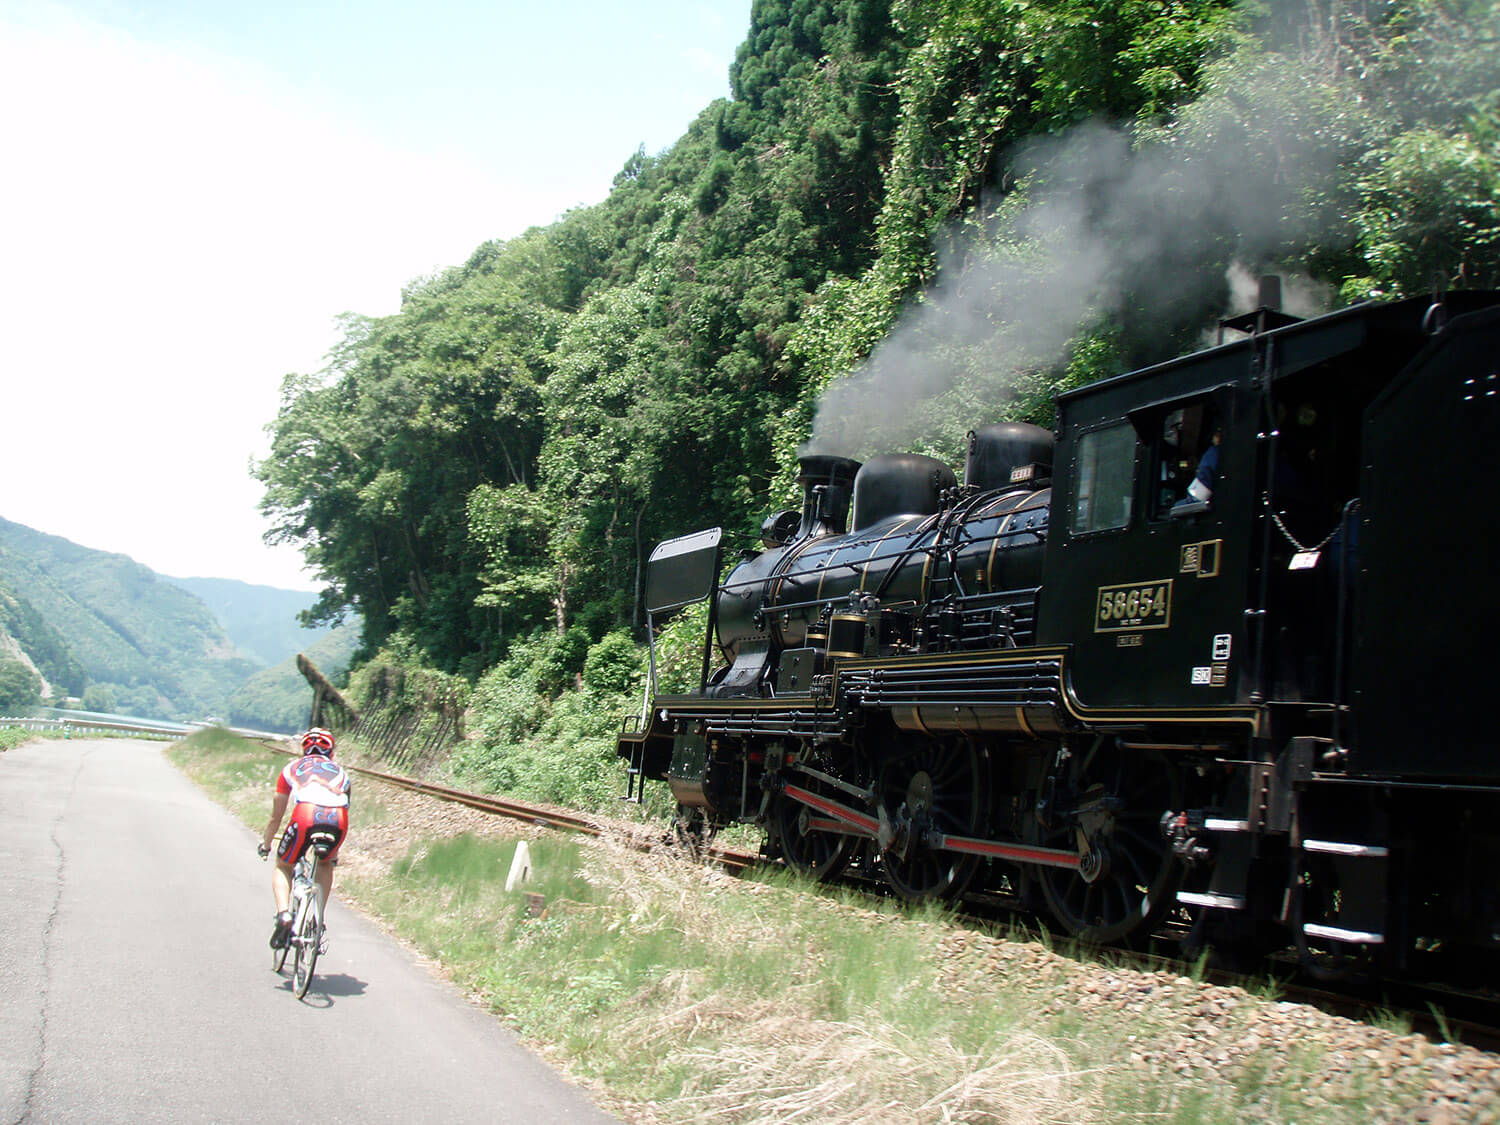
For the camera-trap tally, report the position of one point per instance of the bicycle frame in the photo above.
(305, 888)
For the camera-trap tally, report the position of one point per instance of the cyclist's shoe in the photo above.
(282, 931)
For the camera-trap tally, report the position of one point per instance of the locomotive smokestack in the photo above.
(827, 484)
(1270, 292)
(1266, 316)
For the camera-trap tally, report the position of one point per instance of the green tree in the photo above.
(485, 472)
(372, 461)
(99, 697)
(20, 687)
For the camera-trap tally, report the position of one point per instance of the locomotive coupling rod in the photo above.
(869, 826)
(1017, 853)
(839, 812)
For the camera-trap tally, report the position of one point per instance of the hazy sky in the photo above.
(191, 192)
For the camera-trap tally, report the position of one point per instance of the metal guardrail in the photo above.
(143, 730)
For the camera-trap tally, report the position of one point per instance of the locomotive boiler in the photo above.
(1218, 649)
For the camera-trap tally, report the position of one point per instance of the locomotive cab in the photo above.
(1145, 580)
(1184, 607)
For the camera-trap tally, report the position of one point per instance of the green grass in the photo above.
(237, 773)
(668, 984)
(11, 737)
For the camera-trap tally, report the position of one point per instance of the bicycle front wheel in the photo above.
(308, 937)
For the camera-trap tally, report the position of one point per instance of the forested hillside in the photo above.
(912, 217)
(36, 662)
(146, 646)
(277, 698)
(98, 627)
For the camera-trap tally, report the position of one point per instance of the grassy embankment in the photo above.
(674, 987)
(11, 737)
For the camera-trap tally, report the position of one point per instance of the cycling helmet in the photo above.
(318, 741)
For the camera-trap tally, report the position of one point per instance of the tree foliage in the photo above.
(1008, 197)
(20, 687)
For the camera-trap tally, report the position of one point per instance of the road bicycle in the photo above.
(306, 939)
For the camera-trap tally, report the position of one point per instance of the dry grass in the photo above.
(758, 1059)
(786, 1066)
(680, 994)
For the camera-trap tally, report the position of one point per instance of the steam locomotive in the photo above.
(1220, 649)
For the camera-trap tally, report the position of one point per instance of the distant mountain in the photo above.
(279, 699)
(147, 645)
(26, 637)
(260, 620)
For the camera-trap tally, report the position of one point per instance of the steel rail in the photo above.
(519, 810)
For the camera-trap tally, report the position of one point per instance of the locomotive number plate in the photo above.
(1136, 605)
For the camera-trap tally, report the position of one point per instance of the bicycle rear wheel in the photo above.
(278, 956)
(308, 937)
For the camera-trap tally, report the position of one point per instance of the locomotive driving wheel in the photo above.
(1109, 807)
(938, 787)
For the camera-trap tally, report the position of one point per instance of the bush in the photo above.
(531, 739)
(615, 664)
(20, 687)
(99, 697)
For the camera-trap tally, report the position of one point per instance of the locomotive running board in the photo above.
(850, 822)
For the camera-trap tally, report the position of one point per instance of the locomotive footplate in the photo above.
(852, 822)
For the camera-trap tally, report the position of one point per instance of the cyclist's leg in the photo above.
(287, 851)
(325, 877)
(293, 841)
(281, 885)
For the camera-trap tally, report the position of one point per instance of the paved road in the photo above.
(135, 982)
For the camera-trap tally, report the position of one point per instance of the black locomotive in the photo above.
(1220, 650)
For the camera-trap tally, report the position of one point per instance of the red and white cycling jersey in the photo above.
(314, 780)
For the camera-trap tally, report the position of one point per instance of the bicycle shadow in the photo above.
(325, 988)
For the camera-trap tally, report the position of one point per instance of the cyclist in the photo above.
(318, 790)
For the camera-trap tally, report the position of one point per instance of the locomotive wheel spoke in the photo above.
(1140, 881)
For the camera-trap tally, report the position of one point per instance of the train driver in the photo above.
(1206, 479)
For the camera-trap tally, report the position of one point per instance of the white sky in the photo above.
(191, 192)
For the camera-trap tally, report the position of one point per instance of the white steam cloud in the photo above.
(1098, 228)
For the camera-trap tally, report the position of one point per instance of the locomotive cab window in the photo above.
(1184, 458)
(1104, 479)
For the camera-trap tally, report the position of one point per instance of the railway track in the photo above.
(1439, 1011)
(545, 817)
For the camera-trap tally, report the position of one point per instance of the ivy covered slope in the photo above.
(911, 217)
